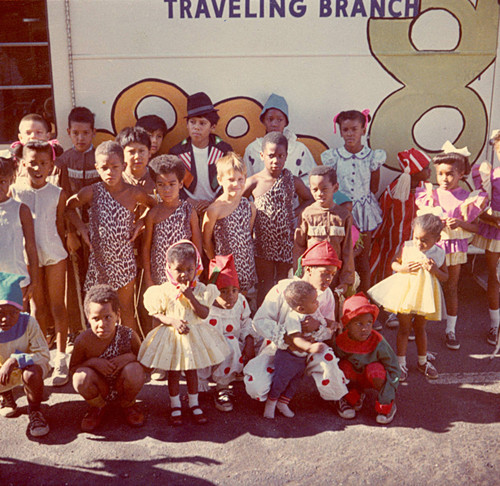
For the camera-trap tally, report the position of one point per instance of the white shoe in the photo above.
(159, 375)
(387, 419)
(60, 375)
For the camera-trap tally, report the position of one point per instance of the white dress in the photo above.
(354, 175)
(235, 325)
(43, 204)
(413, 293)
(12, 254)
(270, 323)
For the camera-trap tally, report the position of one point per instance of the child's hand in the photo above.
(85, 237)
(310, 324)
(411, 267)
(138, 227)
(186, 289)
(453, 223)
(121, 361)
(104, 366)
(248, 352)
(317, 348)
(181, 326)
(6, 370)
(73, 242)
(430, 265)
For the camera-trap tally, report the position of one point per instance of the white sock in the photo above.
(495, 318)
(193, 402)
(270, 408)
(285, 410)
(175, 402)
(451, 322)
(402, 361)
(422, 360)
(60, 356)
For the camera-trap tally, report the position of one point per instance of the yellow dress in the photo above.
(164, 348)
(413, 293)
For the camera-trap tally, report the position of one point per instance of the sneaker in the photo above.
(377, 325)
(404, 373)
(223, 400)
(345, 410)
(387, 419)
(392, 321)
(8, 406)
(92, 419)
(60, 375)
(451, 341)
(492, 336)
(428, 370)
(38, 426)
(159, 375)
(359, 404)
(133, 415)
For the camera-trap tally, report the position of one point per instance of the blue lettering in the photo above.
(218, 8)
(413, 6)
(248, 14)
(358, 7)
(261, 13)
(391, 8)
(379, 7)
(186, 9)
(234, 9)
(202, 9)
(341, 7)
(325, 8)
(170, 8)
(299, 10)
(274, 6)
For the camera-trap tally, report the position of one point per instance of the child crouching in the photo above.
(230, 315)
(24, 355)
(367, 361)
(104, 361)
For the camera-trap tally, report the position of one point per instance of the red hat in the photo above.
(223, 272)
(356, 305)
(320, 254)
(413, 161)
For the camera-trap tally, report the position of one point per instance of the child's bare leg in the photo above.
(126, 298)
(450, 289)
(194, 406)
(493, 295)
(55, 281)
(405, 321)
(33, 386)
(363, 262)
(130, 382)
(282, 270)
(419, 324)
(39, 304)
(265, 273)
(175, 399)
(90, 385)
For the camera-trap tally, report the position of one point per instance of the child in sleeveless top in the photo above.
(273, 189)
(184, 342)
(487, 178)
(47, 203)
(459, 209)
(171, 220)
(18, 234)
(104, 361)
(229, 220)
(413, 292)
(112, 227)
(358, 172)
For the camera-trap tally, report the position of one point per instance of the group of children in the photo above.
(142, 229)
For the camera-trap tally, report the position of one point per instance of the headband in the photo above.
(53, 142)
(449, 148)
(365, 113)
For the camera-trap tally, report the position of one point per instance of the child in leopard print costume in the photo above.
(229, 220)
(273, 190)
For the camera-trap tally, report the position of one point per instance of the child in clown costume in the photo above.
(367, 361)
(230, 315)
(320, 264)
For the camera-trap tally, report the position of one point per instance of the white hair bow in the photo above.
(449, 148)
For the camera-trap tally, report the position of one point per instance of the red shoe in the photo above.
(134, 416)
(92, 419)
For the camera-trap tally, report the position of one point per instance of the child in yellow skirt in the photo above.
(184, 342)
(413, 292)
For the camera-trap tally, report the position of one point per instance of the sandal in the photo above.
(176, 420)
(199, 419)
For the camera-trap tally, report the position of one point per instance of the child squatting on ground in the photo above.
(104, 361)
(24, 355)
(367, 361)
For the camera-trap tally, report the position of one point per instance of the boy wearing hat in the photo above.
(24, 355)
(367, 360)
(200, 151)
(230, 315)
(274, 117)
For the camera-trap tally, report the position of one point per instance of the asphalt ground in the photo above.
(445, 432)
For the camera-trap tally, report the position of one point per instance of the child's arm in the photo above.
(250, 184)
(61, 207)
(374, 181)
(304, 195)
(142, 199)
(199, 309)
(146, 248)
(397, 264)
(303, 344)
(30, 247)
(180, 325)
(299, 241)
(83, 197)
(209, 221)
(440, 272)
(196, 232)
(253, 210)
(347, 271)
(124, 359)
(454, 223)
(79, 357)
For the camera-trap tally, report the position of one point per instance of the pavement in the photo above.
(445, 432)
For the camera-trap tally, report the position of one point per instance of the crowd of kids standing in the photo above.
(219, 267)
